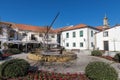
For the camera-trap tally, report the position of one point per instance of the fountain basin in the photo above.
(52, 57)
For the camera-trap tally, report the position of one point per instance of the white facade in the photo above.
(87, 41)
(109, 39)
(18, 36)
(3, 34)
(76, 38)
(52, 37)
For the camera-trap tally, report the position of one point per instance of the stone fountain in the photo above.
(51, 55)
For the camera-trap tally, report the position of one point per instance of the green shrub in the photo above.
(100, 71)
(96, 53)
(117, 57)
(13, 51)
(14, 68)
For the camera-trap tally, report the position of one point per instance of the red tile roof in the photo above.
(75, 27)
(61, 29)
(100, 28)
(44, 29)
(29, 27)
(67, 28)
(6, 23)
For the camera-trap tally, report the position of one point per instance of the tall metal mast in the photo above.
(49, 27)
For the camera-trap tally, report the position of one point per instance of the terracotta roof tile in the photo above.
(7, 23)
(67, 28)
(61, 29)
(32, 28)
(75, 27)
(44, 29)
(100, 28)
(28, 27)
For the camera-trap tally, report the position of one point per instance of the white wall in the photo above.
(90, 38)
(113, 38)
(36, 34)
(86, 39)
(4, 35)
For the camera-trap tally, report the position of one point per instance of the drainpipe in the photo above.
(95, 40)
(88, 38)
(114, 45)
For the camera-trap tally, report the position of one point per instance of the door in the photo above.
(106, 45)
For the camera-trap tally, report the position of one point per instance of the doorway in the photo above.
(106, 45)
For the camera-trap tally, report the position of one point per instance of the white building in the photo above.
(26, 34)
(109, 39)
(78, 37)
(35, 34)
(4, 31)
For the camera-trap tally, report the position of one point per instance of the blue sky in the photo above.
(72, 12)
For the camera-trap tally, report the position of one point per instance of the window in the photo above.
(74, 34)
(11, 34)
(24, 34)
(81, 33)
(74, 44)
(105, 34)
(33, 37)
(40, 35)
(67, 44)
(67, 35)
(81, 44)
(52, 36)
(91, 33)
(92, 45)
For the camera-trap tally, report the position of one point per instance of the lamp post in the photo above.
(114, 44)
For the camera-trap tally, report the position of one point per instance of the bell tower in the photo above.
(105, 23)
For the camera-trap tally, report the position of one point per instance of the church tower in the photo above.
(105, 23)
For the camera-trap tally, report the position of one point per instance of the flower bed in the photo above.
(99, 53)
(6, 55)
(45, 75)
(108, 58)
